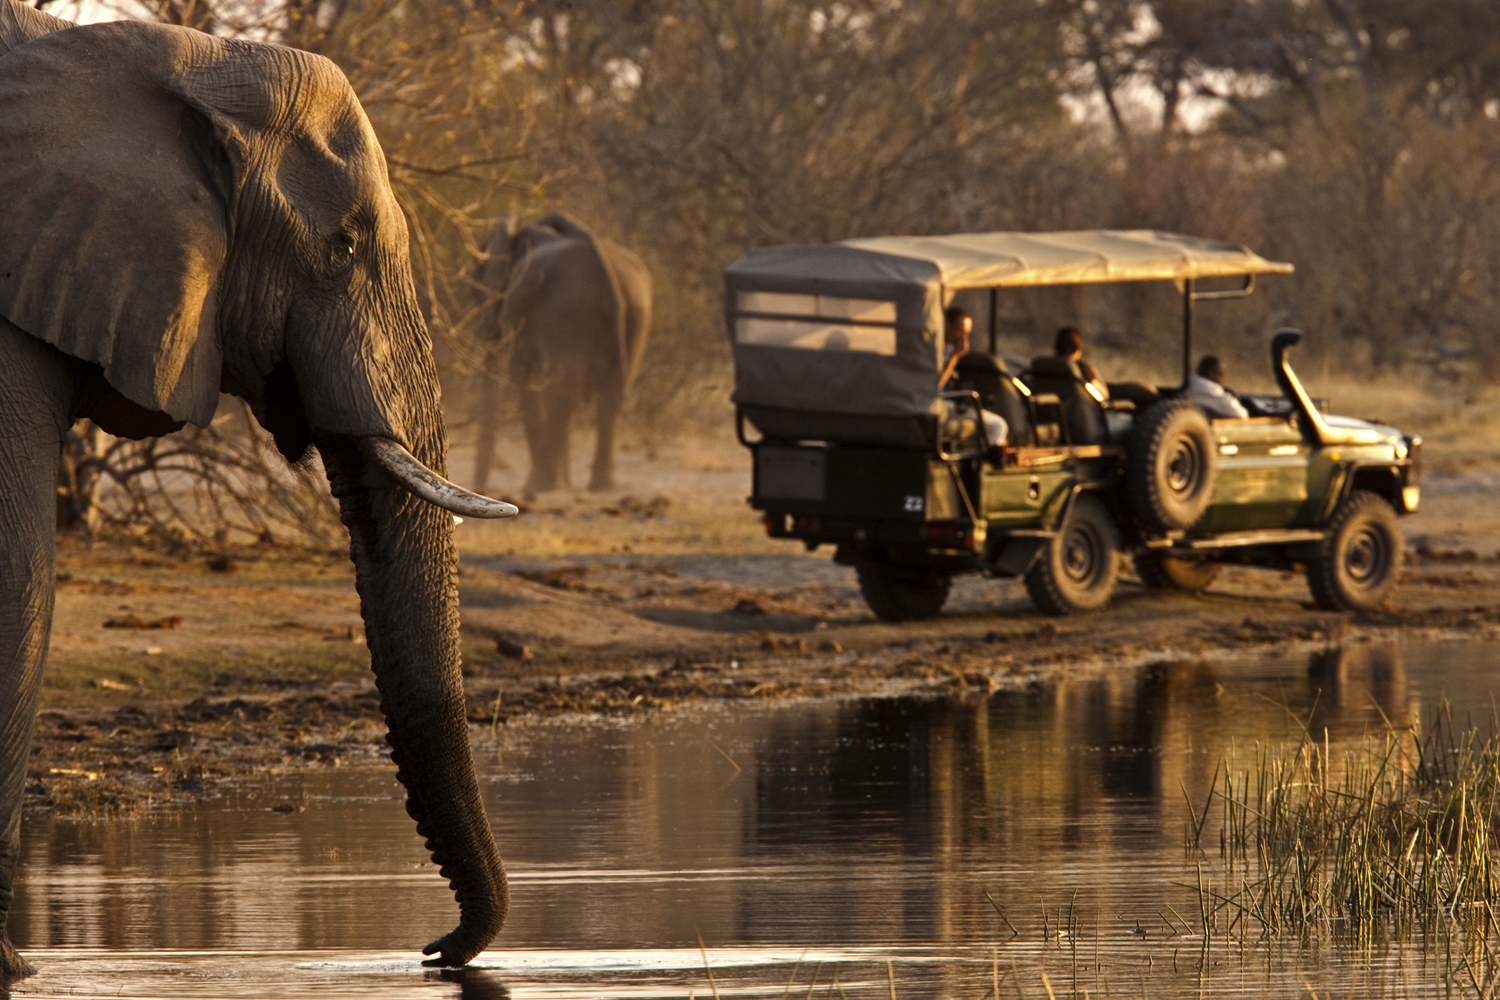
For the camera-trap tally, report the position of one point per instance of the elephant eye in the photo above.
(341, 251)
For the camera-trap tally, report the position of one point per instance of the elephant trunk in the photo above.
(406, 569)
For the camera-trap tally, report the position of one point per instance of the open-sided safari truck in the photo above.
(837, 353)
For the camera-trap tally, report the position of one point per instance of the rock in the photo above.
(516, 650)
(136, 621)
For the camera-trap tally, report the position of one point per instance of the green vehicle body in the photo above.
(1292, 488)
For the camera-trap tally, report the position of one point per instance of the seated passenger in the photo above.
(1068, 344)
(957, 325)
(1206, 388)
(1080, 392)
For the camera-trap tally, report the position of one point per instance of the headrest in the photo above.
(1052, 365)
(979, 361)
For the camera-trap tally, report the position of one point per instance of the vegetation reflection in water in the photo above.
(1185, 829)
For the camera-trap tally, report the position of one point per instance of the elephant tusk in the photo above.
(407, 470)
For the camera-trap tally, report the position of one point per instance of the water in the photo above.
(800, 843)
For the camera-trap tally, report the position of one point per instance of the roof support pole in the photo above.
(1187, 332)
(994, 319)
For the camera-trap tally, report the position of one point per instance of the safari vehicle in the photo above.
(837, 353)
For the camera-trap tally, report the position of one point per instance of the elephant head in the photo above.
(187, 215)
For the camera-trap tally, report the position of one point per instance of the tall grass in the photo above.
(1394, 836)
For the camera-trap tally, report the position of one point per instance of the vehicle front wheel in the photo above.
(1078, 568)
(1360, 556)
(898, 596)
(1163, 572)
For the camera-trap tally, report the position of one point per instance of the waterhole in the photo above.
(1035, 839)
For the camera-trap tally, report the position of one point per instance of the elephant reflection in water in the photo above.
(183, 215)
(570, 316)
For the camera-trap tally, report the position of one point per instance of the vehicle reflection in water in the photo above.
(905, 828)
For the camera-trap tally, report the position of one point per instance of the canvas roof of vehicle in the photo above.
(856, 327)
(1014, 260)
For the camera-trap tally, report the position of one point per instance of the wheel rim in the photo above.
(1081, 556)
(1184, 466)
(1366, 557)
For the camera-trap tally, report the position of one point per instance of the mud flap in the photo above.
(1018, 555)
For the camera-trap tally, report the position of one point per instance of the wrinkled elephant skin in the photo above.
(183, 215)
(570, 317)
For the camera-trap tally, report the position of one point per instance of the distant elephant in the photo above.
(571, 315)
(180, 215)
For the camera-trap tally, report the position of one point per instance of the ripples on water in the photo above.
(957, 839)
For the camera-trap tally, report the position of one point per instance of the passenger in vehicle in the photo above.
(1080, 392)
(957, 325)
(1206, 388)
(1068, 344)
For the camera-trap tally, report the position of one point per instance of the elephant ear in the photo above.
(20, 23)
(501, 236)
(116, 208)
(632, 284)
(605, 268)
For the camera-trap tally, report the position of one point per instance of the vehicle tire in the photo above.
(1078, 569)
(1162, 572)
(1360, 556)
(899, 596)
(1169, 477)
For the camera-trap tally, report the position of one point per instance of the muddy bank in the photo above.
(174, 676)
(119, 751)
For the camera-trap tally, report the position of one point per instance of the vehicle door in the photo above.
(1262, 477)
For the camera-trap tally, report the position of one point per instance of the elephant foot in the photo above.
(12, 965)
(601, 484)
(532, 490)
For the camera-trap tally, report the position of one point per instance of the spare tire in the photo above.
(1170, 475)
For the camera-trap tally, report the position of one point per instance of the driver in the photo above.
(1206, 388)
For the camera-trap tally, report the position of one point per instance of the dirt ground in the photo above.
(170, 676)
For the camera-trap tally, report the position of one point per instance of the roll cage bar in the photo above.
(1189, 295)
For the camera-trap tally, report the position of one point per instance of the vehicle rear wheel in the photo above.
(901, 595)
(1078, 568)
(1170, 475)
(1360, 556)
(1163, 572)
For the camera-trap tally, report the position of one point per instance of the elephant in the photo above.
(571, 312)
(183, 215)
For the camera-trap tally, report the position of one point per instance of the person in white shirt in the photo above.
(1206, 388)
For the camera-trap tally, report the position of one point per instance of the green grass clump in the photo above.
(1397, 834)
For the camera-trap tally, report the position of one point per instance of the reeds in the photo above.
(1394, 836)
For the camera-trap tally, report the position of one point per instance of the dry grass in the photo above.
(1393, 838)
(687, 497)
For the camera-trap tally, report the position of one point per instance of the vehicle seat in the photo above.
(1082, 416)
(1139, 393)
(988, 376)
(959, 429)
